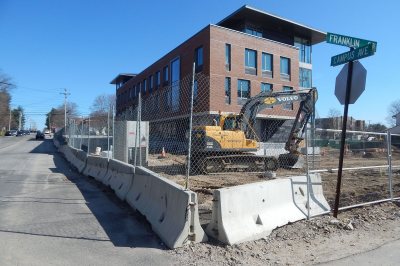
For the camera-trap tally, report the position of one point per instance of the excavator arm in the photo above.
(248, 114)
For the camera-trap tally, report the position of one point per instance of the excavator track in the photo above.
(235, 163)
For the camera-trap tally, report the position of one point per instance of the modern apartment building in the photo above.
(245, 53)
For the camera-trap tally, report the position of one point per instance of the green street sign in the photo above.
(348, 41)
(355, 54)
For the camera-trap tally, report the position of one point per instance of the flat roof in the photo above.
(122, 77)
(273, 22)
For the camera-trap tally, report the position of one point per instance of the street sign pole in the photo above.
(343, 138)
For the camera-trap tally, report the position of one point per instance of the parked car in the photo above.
(20, 133)
(11, 133)
(39, 135)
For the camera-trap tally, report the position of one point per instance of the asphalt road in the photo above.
(50, 215)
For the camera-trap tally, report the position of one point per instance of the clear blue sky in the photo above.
(48, 45)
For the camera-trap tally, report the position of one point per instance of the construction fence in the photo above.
(177, 131)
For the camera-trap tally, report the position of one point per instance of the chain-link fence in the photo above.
(369, 165)
(196, 127)
(219, 137)
(93, 134)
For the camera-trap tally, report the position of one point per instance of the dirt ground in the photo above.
(318, 240)
(358, 186)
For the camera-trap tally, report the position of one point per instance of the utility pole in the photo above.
(65, 107)
(20, 118)
(9, 121)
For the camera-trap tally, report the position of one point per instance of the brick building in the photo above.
(247, 52)
(337, 123)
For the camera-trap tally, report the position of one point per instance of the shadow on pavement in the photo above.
(123, 226)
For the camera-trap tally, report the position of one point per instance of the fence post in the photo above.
(137, 130)
(113, 134)
(140, 130)
(80, 147)
(307, 174)
(88, 144)
(190, 129)
(108, 133)
(389, 158)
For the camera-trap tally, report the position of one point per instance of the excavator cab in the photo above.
(228, 122)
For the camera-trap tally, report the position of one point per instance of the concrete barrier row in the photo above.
(96, 167)
(171, 210)
(252, 211)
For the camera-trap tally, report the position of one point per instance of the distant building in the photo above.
(337, 123)
(396, 129)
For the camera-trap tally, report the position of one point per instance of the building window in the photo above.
(166, 75)
(151, 84)
(304, 49)
(175, 78)
(228, 57)
(252, 31)
(285, 68)
(266, 87)
(267, 65)
(228, 90)
(195, 90)
(287, 106)
(144, 87)
(305, 77)
(243, 91)
(250, 58)
(157, 81)
(198, 59)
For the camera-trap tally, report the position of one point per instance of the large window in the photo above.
(228, 90)
(243, 91)
(198, 59)
(266, 87)
(267, 65)
(304, 49)
(157, 80)
(175, 78)
(252, 31)
(195, 91)
(305, 77)
(287, 106)
(166, 75)
(250, 58)
(285, 68)
(144, 87)
(151, 83)
(228, 57)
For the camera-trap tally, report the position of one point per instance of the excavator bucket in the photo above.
(291, 161)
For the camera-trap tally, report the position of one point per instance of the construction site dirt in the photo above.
(358, 185)
(320, 239)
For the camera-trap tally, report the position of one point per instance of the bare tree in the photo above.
(5, 99)
(55, 118)
(100, 108)
(394, 109)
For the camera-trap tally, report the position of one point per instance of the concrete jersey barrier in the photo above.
(171, 210)
(96, 167)
(80, 160)
(120, 176)
(250, 212)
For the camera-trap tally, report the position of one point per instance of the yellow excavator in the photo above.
(229, 144)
